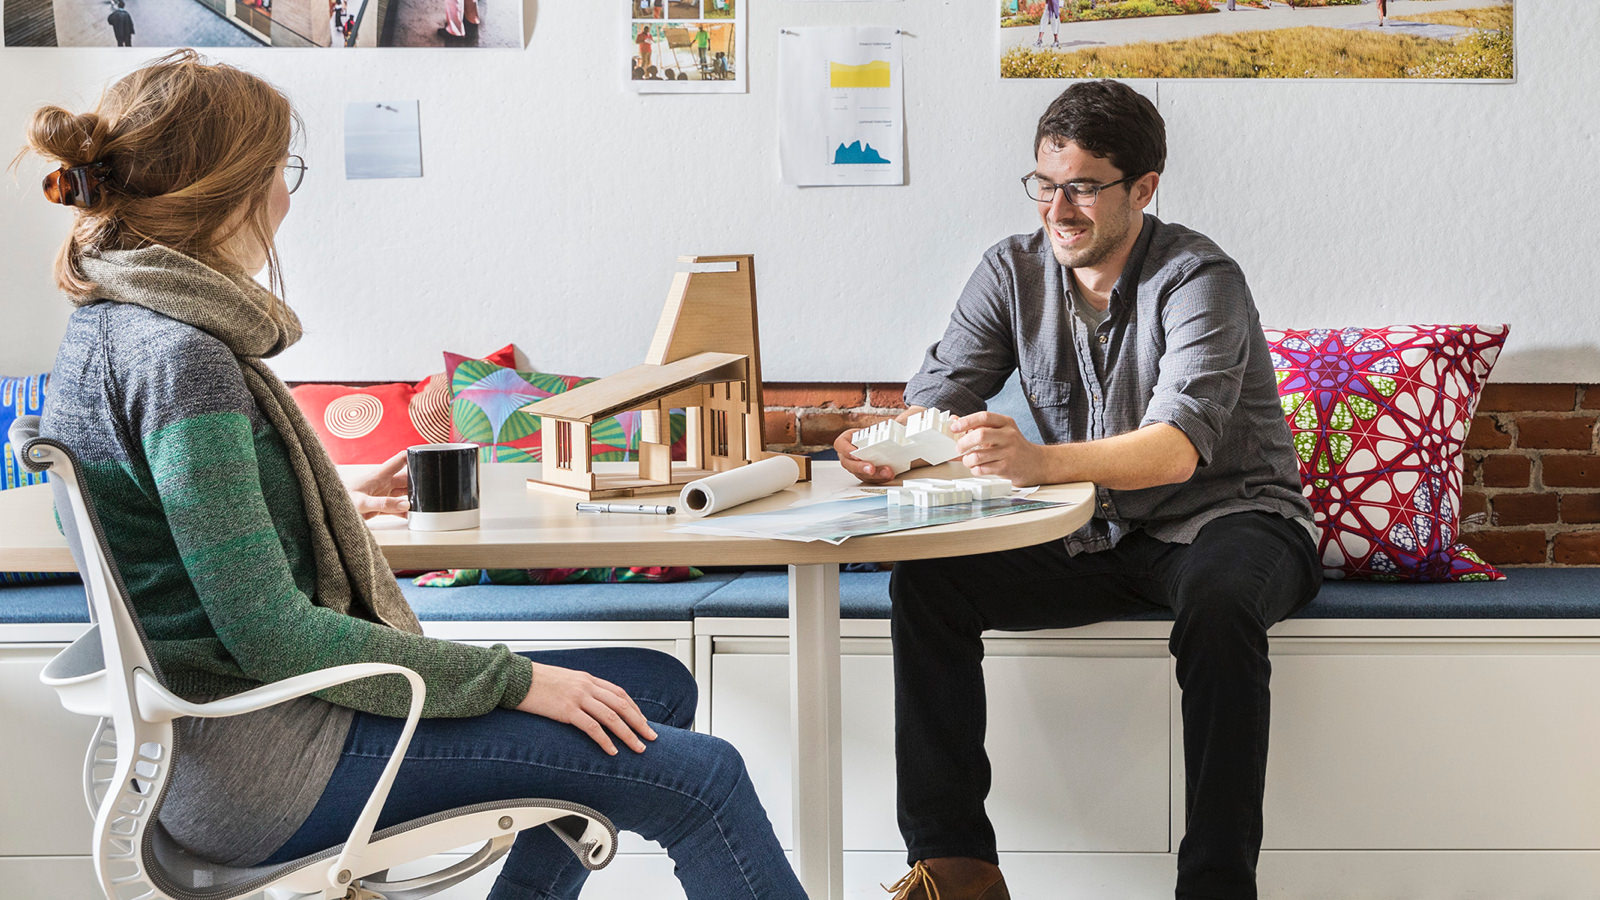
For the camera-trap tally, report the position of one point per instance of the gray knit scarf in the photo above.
(352, 576)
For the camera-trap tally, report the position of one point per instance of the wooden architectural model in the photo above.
(704, 359)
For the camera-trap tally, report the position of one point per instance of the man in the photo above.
(1143, 359)
(121, 24)
(702, 41)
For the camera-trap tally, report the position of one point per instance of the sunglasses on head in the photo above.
(76, 186)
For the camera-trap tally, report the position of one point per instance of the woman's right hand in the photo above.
(592, 704)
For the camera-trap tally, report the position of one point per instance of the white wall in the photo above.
(555, 202)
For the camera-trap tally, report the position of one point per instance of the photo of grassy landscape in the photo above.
(1364, 39)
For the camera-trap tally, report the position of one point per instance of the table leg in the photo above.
(814, 725)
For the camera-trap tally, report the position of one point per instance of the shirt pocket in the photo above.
(1051, 401)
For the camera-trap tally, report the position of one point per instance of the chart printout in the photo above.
(842, 106)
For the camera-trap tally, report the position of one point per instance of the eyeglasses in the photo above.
(294, 171)
(1078, 192)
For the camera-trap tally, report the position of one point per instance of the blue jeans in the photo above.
(688, 792)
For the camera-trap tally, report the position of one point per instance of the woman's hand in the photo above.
(384, 493)
(592, 704)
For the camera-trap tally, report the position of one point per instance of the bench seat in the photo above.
(1527, 593)
(632, 602)
(1530, 593)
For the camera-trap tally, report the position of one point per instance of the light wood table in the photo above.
(527, 528)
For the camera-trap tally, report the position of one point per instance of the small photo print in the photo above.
(684, 51)
(683, 9)
(720, 9)
(647, 9)
(382, 139)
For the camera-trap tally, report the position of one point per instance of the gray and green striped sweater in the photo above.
(205, 520)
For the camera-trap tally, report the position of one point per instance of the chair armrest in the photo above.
(156, 703)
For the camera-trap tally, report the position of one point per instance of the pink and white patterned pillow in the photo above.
(1379, 416)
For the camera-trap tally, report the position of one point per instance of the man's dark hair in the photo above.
(1109, 119)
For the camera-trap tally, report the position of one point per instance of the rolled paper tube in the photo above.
(725, 490)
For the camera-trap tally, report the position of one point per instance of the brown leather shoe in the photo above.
(950, 878)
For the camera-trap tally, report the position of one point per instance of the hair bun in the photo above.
(68, 138)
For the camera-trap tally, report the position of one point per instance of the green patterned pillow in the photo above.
(486, 409)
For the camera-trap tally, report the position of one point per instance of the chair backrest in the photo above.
(131, 786)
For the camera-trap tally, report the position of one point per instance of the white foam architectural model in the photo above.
(929, 492)
(926, 436)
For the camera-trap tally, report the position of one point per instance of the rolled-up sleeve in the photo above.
(1207, 320)
(977, 352)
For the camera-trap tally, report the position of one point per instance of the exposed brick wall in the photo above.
(1530, 478)
(808, 416)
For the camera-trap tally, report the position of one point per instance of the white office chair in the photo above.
(107, 673)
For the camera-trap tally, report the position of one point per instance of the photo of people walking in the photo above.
(121, 24)
(305, 24)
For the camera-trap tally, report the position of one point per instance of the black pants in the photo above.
(1242, 573)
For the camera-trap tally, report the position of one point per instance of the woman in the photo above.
(247, 561)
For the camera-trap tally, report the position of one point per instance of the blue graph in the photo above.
(857, 154)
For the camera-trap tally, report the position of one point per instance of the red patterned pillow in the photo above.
(370, 424)
(1379, 416)
(360, 424)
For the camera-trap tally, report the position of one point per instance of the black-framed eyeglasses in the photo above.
(1078, 193)
(294, 171)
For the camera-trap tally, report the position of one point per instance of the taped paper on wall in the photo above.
(841, 97)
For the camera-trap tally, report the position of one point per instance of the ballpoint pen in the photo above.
(644, 508)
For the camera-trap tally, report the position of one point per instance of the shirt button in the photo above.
(1096, 397)
(1034, 397)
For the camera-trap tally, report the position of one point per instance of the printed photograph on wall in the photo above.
(1445, 40)
(334, 24)
(382, 139)
(686, 57)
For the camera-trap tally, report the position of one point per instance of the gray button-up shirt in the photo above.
(1182, 345)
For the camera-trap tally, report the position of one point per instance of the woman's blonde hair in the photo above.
(191, 149)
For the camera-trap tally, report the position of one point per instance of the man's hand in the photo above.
(991, 444)
(592, 705)
(384, 492)
(860, 468)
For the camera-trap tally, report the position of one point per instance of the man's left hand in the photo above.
(384, 492)
(991, 444)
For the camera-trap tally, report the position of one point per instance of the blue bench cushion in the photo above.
(643, 602)
(65, 603)
(1527, 593)
(765, 595)
(33, 604)
(1530, 593)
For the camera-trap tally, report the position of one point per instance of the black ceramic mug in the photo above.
(444, 486)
